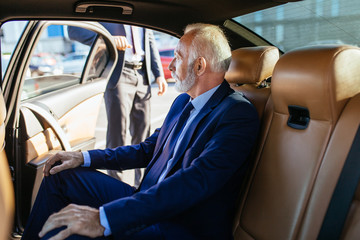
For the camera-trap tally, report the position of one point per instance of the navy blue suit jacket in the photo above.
(200, 191)
(152, 57)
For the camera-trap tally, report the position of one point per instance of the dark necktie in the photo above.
(154, 173)
(135, 39)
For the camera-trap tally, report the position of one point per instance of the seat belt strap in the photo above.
(343, 194)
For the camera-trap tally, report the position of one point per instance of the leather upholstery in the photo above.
(322, 80)
(329, 171)
(6, 188)
(296, 170)
(248, 70)
(252, 65)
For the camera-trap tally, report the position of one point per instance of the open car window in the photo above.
(58, 62)
(10, 34)
(309, 22)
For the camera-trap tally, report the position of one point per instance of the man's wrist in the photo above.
(87, 159)
(104, 222)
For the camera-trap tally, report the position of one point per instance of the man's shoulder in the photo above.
(236, 98)
(237, 103)
(179, 102)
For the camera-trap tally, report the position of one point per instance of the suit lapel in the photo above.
(171, 119)
(168, 125)
(223, 91)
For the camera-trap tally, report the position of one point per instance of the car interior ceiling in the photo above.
(290, 201)
(196, 11)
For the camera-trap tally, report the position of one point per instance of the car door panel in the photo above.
(37, 139)
(75, 112)
(80, 132)
(57, 110)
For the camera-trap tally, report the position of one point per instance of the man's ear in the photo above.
(200, 66)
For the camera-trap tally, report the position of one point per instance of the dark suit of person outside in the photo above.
(195, 163)
(127, 95)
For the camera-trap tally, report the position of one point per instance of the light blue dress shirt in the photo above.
(198, 103)
(129, 54)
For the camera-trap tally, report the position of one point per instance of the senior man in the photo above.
(194, 163)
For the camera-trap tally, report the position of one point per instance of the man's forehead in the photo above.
(178, 48)
(183, 45)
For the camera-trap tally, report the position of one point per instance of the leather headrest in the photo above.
(252, 65)
(319, 78)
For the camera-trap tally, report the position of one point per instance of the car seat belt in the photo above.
(343, 194)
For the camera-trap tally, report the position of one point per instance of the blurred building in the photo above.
(310, 22)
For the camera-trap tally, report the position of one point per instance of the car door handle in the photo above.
(88, 7)
(52, 122)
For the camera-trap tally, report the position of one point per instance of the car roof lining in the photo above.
(166, 15)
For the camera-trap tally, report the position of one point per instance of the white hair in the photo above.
(210, 43)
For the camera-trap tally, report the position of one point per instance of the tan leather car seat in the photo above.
(6, 187)
(249, 69)
(315, 115)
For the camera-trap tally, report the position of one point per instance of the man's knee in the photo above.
(60, 177)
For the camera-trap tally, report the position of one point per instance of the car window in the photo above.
(58, 62)
(309, 22)
(98, 62)
(166, 45)
(10, 34)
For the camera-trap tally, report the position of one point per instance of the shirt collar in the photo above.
(200, 101)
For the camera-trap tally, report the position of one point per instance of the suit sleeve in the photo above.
(224, 153)
(125, 157)
(134, 156)
(156, 66)
(81, 35)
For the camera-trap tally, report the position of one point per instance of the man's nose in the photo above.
(171, 65)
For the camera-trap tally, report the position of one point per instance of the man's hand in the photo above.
(121, 43)
(162, 85)
(81, 220)
(67, 159)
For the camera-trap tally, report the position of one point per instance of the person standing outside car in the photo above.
(127, 95)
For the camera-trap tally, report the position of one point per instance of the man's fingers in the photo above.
(59, 168)
(56, 220)
(49, 163)
(160, 89)
(62, 235)
(125, 43)
(81, 220)
(121, 43)
(67, 159)
(162, 86)
(62, 218)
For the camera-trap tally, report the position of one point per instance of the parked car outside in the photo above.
(45, 64)
(73, 63)
(166, 55)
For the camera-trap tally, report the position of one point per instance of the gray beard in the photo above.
(186, 84)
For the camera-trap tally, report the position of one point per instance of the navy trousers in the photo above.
(80, 186)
